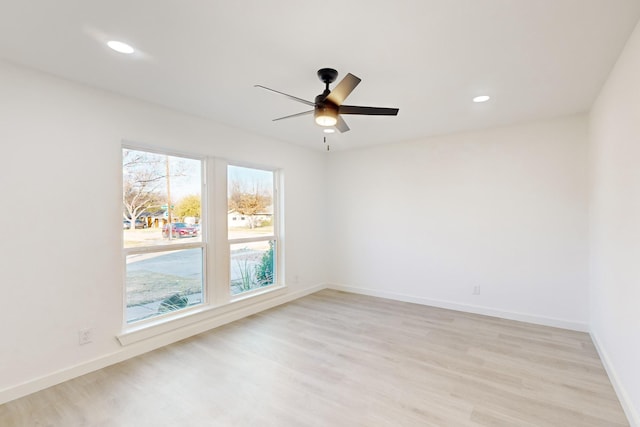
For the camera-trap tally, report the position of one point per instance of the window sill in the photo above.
(203, 317)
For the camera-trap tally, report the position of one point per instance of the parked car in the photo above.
(180, 229)
(140, 223)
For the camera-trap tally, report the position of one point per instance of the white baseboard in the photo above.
(632, 413)
(141, 347)
(487, 311)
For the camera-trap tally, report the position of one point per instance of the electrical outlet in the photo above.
(476, 290)
(85, 336)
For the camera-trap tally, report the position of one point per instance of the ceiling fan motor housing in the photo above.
(325, 112)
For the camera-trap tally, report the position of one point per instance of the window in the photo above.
(251, 228)
(168, 267)
(163, 245)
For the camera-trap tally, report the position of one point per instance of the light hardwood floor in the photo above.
(339, 359)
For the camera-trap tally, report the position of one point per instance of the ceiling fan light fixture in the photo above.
(326, 120)
(326, 116)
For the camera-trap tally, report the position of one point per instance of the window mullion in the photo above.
(218, 223)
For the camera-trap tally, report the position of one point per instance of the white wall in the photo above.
(504, 209)
(615, 225)
(61, 267)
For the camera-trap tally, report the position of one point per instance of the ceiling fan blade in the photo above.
(341, 125)
(343, 89)
(369, 111)
(295, 98)
(304, 113)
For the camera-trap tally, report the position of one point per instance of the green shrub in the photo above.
(264, 271)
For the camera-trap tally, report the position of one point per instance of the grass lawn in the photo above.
(147, 286)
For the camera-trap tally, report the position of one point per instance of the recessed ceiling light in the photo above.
(120, 47)
(481, 98)
(329, 130)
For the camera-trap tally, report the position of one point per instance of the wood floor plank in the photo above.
(340, 359)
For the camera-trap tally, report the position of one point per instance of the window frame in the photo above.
(202, 244)
(276, 236)
(217, 299)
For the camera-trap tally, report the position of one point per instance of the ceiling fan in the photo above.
(328, 106)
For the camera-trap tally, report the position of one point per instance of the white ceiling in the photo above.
(537, 58)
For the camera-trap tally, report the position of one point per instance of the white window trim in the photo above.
(202, 317)
(218, 303)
